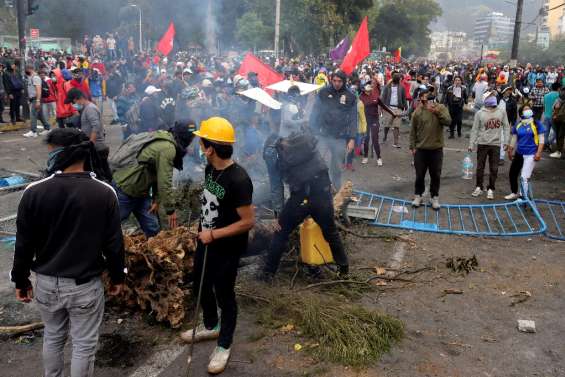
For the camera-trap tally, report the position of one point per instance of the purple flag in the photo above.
(340, 50)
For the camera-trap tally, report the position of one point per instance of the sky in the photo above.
(460, 15)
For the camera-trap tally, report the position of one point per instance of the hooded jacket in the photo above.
(335, 113)
(154, 172)
(61, 89)
(490, 127)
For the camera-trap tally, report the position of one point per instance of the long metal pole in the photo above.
(22, 20)
(517, 28)
(277, 28)
(140, 32)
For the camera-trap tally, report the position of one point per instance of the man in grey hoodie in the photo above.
(486, 135)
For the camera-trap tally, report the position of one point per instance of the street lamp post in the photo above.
(140, 33)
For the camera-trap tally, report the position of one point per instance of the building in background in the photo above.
(493, 31)
(448, 45)
(554, 18)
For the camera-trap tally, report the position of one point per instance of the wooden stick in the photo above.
(14, 330)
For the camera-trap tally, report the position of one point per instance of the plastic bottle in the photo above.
(12, 181)
(468, 167)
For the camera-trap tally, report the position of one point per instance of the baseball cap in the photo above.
(151, 90)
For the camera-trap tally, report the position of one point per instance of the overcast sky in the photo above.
(460, 15)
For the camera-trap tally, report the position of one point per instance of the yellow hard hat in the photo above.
(216, 129)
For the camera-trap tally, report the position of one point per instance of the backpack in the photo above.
(17, 83)
(132, 117)
(45, 92)
(299, 159)
(126, 155)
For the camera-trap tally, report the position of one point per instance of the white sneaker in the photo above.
(555, 155)
(395, 146)
(478, 192)
(379, 162)
(40, 127)
(202, 333)
(490, 194)
(435, 203)
(365, 160)
(30, 134)
(219, 360)
(512, 197)
(45, 132)
(417, 201)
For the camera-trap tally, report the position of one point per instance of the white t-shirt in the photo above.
(394, 96)
(111, 43)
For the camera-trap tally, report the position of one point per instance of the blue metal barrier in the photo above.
(553, 212)
(518, 218)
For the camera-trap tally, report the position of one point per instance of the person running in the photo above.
(490, 131)
(527, 142)
(226, 218)
(68, 232)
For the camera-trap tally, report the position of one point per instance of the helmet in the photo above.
(189, 93)
(242, 85)
(216, 129)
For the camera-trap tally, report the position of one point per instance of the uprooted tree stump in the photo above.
(159, 268)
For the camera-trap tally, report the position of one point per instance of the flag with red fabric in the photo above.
(265, 73)
(359, 50)
(397, 55)
(165, 45)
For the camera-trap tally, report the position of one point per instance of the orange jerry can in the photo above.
(314, 249)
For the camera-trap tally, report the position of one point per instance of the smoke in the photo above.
(211, 29)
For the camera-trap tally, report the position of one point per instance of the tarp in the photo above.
(262, 97)
(284, 85)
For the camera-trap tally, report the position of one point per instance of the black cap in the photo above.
(73, 95)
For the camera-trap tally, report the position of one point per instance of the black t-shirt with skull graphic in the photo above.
(224, 192)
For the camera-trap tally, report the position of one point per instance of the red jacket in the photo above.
(82, 86)
(406, 83)
(61, 88)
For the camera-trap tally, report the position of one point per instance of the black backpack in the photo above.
(299, 158)
(44, 89)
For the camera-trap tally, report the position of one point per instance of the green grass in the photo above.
(344, 333)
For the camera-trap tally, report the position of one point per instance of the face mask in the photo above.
(54, 79)
(52, 159)
(77, 106)
(528, 114)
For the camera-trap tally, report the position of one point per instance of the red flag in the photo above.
(165, 45)
(266, 74)
(359, 49)
(397, 55)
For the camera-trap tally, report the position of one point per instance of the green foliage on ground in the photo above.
(336, 331)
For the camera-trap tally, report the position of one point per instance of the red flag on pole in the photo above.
(359, 50)
(397, 55)
(265, 73)
(165, 45)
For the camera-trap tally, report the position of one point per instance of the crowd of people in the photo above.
(162, 103)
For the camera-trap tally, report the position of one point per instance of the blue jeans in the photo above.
(36, 115)
(547, 123)
(148, 222)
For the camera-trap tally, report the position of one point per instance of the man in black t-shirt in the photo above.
(226, 218)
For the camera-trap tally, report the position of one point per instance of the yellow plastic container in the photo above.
(314, 249)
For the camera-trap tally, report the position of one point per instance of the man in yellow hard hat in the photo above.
(227, 215)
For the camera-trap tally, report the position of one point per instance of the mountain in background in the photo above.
(460, 15)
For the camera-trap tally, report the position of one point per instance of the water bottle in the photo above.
(467, 167)
(12, 181)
